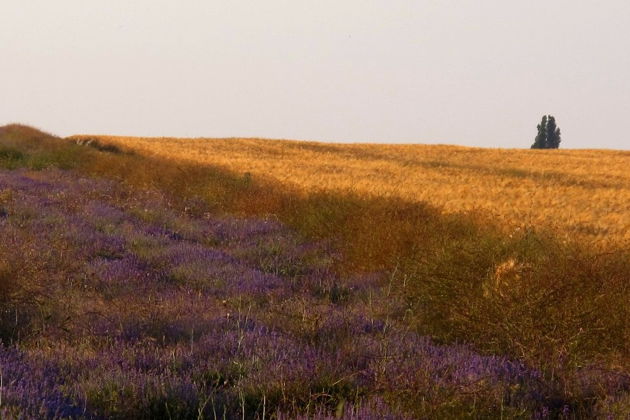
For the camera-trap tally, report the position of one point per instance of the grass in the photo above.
(537, 292)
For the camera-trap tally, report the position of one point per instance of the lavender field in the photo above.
(119, 303)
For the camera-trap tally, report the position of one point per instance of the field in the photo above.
(582, 194)
(175, 278)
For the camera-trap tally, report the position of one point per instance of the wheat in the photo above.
(581, 194)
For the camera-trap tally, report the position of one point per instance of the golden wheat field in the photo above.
(581, 194)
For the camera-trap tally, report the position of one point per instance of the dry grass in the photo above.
(580, 194)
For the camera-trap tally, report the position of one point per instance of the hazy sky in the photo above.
(443, 71)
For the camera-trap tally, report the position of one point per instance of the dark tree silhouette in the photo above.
(548, 136)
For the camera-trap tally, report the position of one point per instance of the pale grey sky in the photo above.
(477, 73)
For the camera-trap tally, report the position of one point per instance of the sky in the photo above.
(476, 73)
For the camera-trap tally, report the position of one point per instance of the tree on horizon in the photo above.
(548, 136)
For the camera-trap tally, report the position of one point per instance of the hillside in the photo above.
(146, 278)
